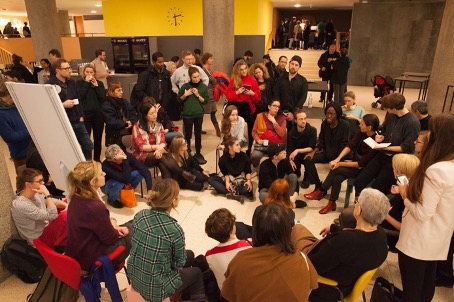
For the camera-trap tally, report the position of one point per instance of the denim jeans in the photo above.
(112, 187)
(84, 139)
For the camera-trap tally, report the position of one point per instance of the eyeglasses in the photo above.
(65, 68)
(38, 181)
(276, 106)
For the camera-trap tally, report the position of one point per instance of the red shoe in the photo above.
(315, 195)
(331, 206)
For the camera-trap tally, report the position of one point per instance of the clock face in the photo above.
(175, 16)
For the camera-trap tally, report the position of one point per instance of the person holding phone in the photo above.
(427, 224)
(92, 94)
(243, 92)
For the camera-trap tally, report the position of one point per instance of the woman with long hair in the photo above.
(119, 114)
(427, 224)
(270, 126)
(91, 230)
(243, 92)
(235, 166)
(261, 74)
(178, 150)
(149, 144)
(252, 276)
(232, 125)
(92, 94)
(158, 265)
(44, 73)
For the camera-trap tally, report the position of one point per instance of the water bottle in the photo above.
(309, 104)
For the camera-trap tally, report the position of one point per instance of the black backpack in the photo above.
(22, 259)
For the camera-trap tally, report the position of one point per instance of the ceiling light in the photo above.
(93, 12)
(98, 5)
(297, 5)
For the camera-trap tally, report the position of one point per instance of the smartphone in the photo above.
(246, 86)
(402, 179)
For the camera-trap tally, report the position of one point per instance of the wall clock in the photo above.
(175, 16)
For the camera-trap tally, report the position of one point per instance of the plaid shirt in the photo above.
(158, 250)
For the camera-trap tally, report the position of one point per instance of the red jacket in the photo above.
(251, 100)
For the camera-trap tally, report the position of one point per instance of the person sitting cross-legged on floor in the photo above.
(334, 133)
(34, 210)
(278, 166)
(236, 168)
(121, 169)
(220, 226)
(342, 170)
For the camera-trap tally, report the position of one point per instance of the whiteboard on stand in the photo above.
(49, 126)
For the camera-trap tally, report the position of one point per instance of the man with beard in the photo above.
(334, 133)
(281, 67)
(291, 89)
(70, 99)
(102, 71)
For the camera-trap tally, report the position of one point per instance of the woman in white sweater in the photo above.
(427, 221)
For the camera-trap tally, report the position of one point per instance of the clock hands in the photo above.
(175, 18)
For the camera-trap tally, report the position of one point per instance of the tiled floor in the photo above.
(195, 207)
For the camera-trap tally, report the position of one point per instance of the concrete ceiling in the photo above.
(84, 7)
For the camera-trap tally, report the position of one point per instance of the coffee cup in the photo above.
(265, 142)
(76, 101)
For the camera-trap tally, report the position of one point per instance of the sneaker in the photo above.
(300, 204)
(305, 184)
(200, 159)
(235, 197)
(116, 204)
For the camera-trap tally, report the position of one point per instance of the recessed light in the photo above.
(297, 5)
(93, 12)
(98, 5)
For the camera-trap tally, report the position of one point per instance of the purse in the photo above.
(385, 291)
(128, 196)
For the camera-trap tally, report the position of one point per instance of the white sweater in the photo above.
(427, 227)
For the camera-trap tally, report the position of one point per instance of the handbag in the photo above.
(50, 288)
(128, 196)
(385, 291)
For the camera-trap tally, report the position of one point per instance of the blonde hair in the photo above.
(174, 149)
(163, 194)
(89, 65)
(80, 178)
(405, 164)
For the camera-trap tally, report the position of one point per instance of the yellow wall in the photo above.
(253, 17)
(152, 18)
(24, 48)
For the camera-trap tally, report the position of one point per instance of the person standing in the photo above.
(282, 33)
(321, 34)
(70, 100)
(92, 95)
(339, 79)
(427, 224)
(325, 63)
(291, 26)
(181, 76)
(102, 71)
(26, 30)
(207, 61)
(155, 82)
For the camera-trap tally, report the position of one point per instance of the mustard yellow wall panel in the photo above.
(253, 17)
(153, 17)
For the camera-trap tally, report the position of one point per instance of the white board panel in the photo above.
(49, 127)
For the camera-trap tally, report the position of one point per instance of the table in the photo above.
(417, 77)
(318, 86)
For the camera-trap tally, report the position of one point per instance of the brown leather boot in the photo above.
(188, 176)
(218, 131)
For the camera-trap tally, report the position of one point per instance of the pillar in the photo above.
(218, 35)
(6, 196)
(442, 73)
(46, 29)
(79, 24)
(63, 20)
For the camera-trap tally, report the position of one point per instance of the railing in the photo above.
(6, 58)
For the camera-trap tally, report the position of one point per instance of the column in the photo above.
(442, 73)
(79, 24)
(45, 26)
(6, 196)
(63, 20)
(218, 35)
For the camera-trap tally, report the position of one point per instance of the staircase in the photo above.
(309, 68)
(6, 58)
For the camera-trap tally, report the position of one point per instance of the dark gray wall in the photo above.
(256, 44)
(173, 46)
(88, 45)
(391, 37)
